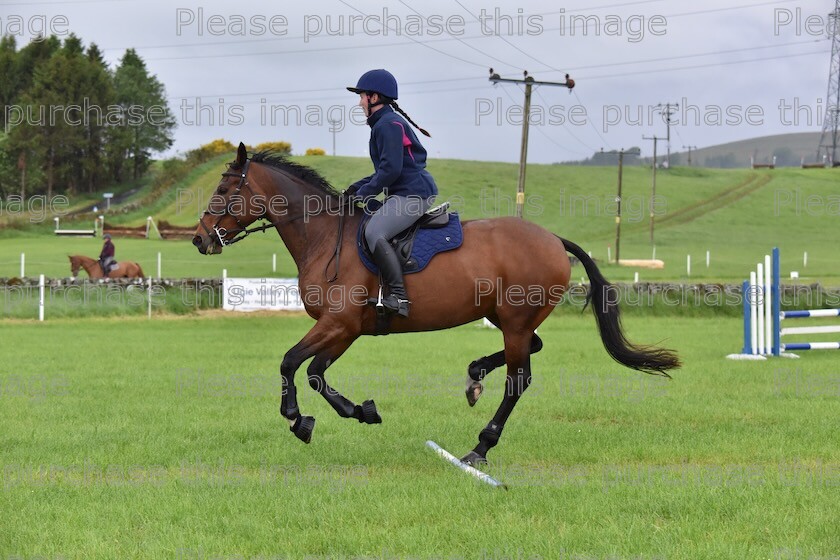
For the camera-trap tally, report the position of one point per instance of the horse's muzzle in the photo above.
(206, 245)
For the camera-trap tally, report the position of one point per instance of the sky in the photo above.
(265, 71)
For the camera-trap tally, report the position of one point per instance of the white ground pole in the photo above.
(158, 275)
(150, 296)
(483, 477)
(274, 262)
(23, 265)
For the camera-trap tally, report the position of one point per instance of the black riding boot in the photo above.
(396, 300)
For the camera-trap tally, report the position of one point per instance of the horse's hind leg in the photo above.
(518, 359)
(479, 368)
(366, 412)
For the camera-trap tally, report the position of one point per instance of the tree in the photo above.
(8, 70)
(57, 97)
(147, 121)
(101, 95)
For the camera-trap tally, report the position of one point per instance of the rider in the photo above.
(400, 171)
(106, 257)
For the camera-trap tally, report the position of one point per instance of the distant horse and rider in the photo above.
(497, 259)
(106, 266)
(124, 269)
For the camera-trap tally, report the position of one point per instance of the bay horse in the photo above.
(126, 269)
(508, 270)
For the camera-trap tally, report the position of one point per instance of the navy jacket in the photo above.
(107, 250)
(398, 158)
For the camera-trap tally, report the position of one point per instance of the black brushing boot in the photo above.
(396, 300)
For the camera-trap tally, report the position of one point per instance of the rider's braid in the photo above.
(403, 113)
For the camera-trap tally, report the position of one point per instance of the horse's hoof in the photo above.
(369, 413)
(303, 428)
(474, 459)
(474, 392)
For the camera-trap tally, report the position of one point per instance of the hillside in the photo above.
(802, 144)
(736, 215)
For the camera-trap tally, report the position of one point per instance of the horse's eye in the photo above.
(222, 189)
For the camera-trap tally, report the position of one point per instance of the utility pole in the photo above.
(618, 200)
(831, 127)
(689, 148)
(653, 189)
(333, 128)
(523, 154)
(669, 110)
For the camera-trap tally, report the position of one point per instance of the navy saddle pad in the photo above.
(426, 243)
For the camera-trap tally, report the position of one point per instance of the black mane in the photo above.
(307, 174)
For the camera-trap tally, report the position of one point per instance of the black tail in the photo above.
(604, 298)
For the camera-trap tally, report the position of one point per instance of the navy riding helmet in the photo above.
(377, 81)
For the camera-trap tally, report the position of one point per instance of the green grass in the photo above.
(161, 439)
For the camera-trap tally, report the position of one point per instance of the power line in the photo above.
(696, 55)
(588, 78)
(572, 134)
(642, 72)
(401, 43)
(505, 39)
(550, 139)
(419, 42)
(459, 39)
(604, 140)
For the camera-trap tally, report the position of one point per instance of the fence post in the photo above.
(23, 265)
(41, 298)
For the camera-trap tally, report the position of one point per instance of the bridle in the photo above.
(242, 231)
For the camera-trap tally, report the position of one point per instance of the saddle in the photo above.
(108, 268)
(435, 231)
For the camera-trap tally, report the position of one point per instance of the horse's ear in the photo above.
(241, 155)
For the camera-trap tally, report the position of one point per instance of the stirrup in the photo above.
(401, 308)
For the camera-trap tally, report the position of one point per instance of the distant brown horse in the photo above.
(508, 270)
(126, 269)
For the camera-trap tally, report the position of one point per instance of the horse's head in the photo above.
(235, 204)
(75, 265)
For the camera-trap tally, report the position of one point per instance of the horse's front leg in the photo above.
(366, 412)
(325, 334)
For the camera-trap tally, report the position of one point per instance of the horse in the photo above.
(508, 270)
(126, 269)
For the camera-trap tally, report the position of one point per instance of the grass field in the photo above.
(162, 439)
(129, 438)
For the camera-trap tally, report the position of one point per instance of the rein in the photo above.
(242, 231)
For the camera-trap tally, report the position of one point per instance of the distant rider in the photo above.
(106, 257)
